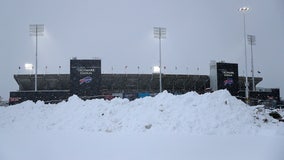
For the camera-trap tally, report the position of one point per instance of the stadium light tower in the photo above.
(160, 33)
(251, 41)
(243, 10)
(36, 30)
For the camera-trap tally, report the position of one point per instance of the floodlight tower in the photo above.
(160, 33)
(243, 10)
(36, 30)
(251, 41)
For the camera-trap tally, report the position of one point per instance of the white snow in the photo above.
(190, 126)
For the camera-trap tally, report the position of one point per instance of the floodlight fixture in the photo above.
(244, 10)
(160, 33)
(28, 66)
(251, 39)
(36, 30)
(156, 69)
(251, 42)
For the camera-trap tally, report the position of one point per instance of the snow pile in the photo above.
(216, 113)
(213, 126)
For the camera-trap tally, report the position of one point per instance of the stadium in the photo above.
(87, 81)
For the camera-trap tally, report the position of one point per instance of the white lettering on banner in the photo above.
(228, 74)
(86, 71)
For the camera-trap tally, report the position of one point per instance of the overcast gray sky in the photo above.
(120, 33)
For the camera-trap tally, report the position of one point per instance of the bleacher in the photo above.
(113, 83)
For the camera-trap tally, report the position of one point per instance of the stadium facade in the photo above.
(87, 81)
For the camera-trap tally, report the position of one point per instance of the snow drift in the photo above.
(213, 126)
(216, 113)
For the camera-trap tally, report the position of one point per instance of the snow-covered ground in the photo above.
(190, 126)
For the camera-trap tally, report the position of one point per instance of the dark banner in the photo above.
(228, 77)
(85, 77)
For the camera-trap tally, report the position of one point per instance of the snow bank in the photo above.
(216, 113)
(213, 126)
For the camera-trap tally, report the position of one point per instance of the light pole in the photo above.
(251, 41)
(36, 30)
(160, 33)
(244, 10)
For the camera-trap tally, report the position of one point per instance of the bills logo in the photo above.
(87, 79)
(228, 81)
